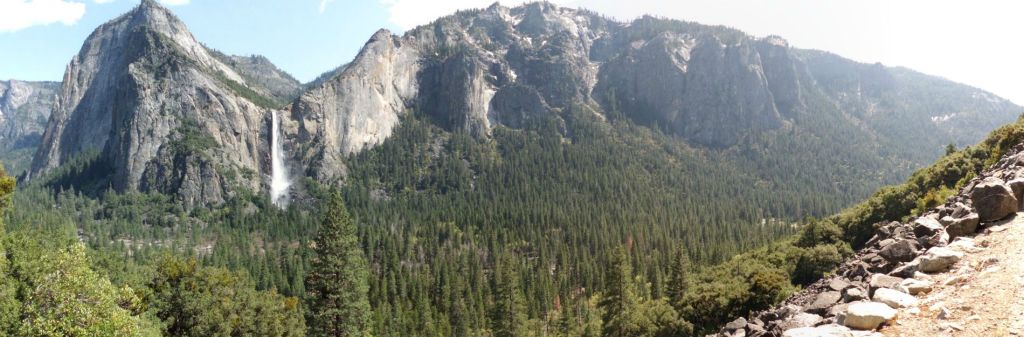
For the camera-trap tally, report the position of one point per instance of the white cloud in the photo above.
(323, 5)
(171, 2)
(20, 14)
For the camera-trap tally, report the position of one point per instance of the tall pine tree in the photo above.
(619, 301)
(509, 315)
(337, 284)
(679, 278)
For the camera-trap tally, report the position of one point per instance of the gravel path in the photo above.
(983, 295)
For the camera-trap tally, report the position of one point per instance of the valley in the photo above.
(507, 171)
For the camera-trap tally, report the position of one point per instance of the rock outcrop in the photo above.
(159, 111)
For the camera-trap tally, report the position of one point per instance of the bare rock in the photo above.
(900, 251)
(939, 259)
(994, 200)
(915, 286)
(879, 281)
(966, 225)
(800, 320)
(894, 298)
(823, 302)
(867, 315)
(854, 294)
(737, 324)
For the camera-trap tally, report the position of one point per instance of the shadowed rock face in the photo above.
(163, 113)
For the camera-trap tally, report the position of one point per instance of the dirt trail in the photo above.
(988, 301)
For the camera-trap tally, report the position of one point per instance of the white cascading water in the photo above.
(279, 180)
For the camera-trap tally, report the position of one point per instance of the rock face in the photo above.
(994, 200)
(507, 67)
(152, 105)
(24, 110)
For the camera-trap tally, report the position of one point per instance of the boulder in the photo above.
(739, 323)
(930, 232)
(823, 302)
(894, 298)
(838, 284)
(915, 286)
(966, 225)
(939, 259)
(993, 200)
(960, 210)
(867, 315)
(907, 269)
(884, 281)
(800, 320)
(853, 294)
(899, 251)
(1017, 186)
(830, 330)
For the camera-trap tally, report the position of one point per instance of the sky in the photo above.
(976, 42)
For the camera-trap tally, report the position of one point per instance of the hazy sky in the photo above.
(976, 42)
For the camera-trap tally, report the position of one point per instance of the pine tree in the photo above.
(679, 278)
(508, 317)
(337, 284)
(618, 302)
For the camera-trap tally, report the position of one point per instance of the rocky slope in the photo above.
(24, 109)
(714, 87)
(914, 278)
(163, 113)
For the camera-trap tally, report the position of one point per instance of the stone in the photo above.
(894, 298)
(964, 245)
(993, 200)
(939, 259)
(801, 320)
(853, 294)
(823, 302)
(837, 310)
(737, 324)
(830, 330)
(915, 286)
(907, 269)
(1017, 186)
(960, 210)
(930, 232)
(963, 226)
(838, 284)
(884, 281)
(867, 315)
(899, 251)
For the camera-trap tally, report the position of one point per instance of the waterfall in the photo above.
(279, 181)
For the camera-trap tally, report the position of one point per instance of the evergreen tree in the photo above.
(679, 279)
(618, 302)
(337, 283)
(508, 316)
